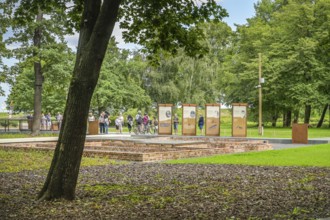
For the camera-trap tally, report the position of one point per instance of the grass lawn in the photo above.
(317, 155)
(17, 160)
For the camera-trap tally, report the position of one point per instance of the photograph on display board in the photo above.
(189, 120)
(239, 121)
(165, 119)
(212, 120)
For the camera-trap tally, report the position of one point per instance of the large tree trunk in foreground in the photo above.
(97, 23)
(319, 124)
(38, 79)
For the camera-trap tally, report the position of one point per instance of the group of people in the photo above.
(46, 120)
(104, 122)
(143, 123)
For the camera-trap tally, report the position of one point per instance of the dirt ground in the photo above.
(163, 191)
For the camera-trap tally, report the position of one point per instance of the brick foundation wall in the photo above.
(137, 150)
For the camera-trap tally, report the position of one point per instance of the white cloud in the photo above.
(117, 33)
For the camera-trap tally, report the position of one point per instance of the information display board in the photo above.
(212, 125)
(165, 119)
(239, 120)
(189, 116)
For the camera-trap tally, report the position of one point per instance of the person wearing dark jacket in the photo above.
(201, 123)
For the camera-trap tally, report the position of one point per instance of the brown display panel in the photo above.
(189, 116)
(165, 119)
(239, 120)
(300, 133)
(212, 115)
(93, 127)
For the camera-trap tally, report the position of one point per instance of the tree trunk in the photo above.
(274, 119)
(97, 23)
(284, 119)
(38, 79)
(308, 109)
(296, 116)
(288, 119)
(319, 124)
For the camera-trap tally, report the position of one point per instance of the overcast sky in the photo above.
(239, 11)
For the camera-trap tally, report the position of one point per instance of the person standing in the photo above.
(119, 125)
(201, 123)
(155, 125)
(176, 124)
(146, 123)
(139, 120)
(48, 121)
(106, 123)
(59, 119)
(121, 122)
(101, 123)
(129, 123)
(43, 121)
(91, 117)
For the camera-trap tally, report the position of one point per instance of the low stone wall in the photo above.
(151, 150)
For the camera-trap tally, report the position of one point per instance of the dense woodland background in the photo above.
(293, 37)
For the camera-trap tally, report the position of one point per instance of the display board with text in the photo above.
(239, 120)
(165, 119)
(189, 116)
(212, 125)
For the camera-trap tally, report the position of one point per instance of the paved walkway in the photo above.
(277, 143)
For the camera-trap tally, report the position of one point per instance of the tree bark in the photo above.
(319, 124)
(274, 119)
(97, 24)
(308, 109)
(295, 116)
(38, 78)
(288, 118)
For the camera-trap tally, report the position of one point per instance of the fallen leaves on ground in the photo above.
(165, 191)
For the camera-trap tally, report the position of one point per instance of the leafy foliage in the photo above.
(168, 25)
(287, 33)
(58, 64)
(119, 85)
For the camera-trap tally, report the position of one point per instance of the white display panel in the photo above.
(239, 111)
(213, 112)
(165, 113)
(189, 112)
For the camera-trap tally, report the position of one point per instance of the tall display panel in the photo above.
(189, 116)
(239, 120)
(212, 115)
(165, 119)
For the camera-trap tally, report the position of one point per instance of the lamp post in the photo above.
(261, 80)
